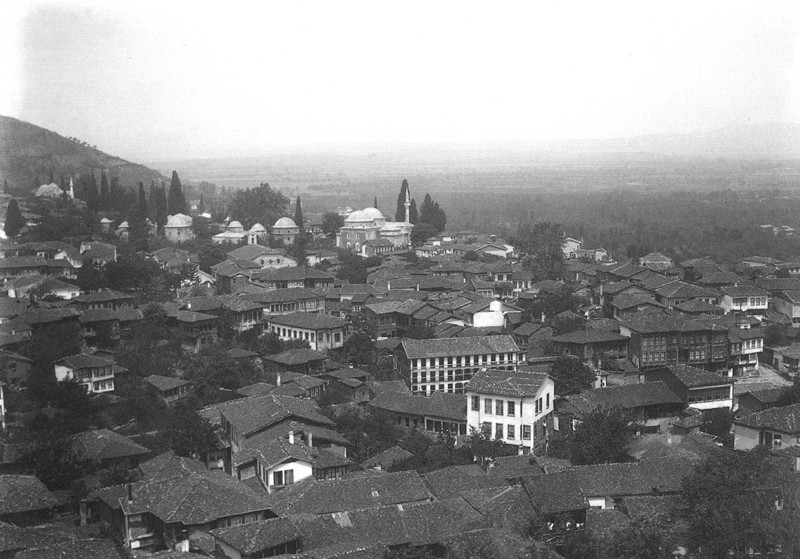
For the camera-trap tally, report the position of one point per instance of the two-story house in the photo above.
(746, 347)
(196, 329)
(289, 300)
(744, 299)
(94, 373)
(296, 276)
(589, 343)
(319, 330)
(447, 364)
(511, 406)
(697, 388)
(788, 302)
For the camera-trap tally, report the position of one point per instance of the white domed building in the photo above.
(368, 233)
(178, 228)
(234, 234)
(285, 229)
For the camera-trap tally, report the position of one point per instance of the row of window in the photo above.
(463, 360)
(508, 407)
(456, 375)
(750, 301)
(510, 431)
(308, 336)
(709, 394)
(424, 389)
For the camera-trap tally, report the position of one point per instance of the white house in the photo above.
(319, 330)
(773, 427)
(512, 406)
(744, 299)
(178, 228)
(94, 373)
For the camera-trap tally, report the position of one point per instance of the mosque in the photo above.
(367, 232)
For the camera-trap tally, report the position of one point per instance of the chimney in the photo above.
(310, 439)
(278, 381)
(189, 305)
(543, 317)
(129, 487)
(291, 437)
(797, 464)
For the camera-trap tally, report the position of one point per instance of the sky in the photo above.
(158, 80)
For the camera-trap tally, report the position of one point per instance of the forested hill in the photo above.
(28, 154)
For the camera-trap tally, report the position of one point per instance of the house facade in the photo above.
(322, 332)
(94, 373)
(447, 364)
(776, 427)
(511, 406)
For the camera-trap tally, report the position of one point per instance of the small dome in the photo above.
(372, 213)
(105, 220)
(179, 220)
(357, 217)
(285, 222)
(258, 228)
(234, 225)
(123, 225)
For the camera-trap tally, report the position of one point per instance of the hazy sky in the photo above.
(148, 80)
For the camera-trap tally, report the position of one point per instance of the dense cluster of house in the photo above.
(666, 341)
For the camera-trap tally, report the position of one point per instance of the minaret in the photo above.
(407, 204)
(72, 191)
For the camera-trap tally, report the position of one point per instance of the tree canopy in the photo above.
(571, 375)
(542, 244)
(331, 223)
(176, 203)
(602, 437)
(400, 212)
(431, 213)
(14, 220)
(258, 205)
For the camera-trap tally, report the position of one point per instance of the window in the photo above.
(547, 401)
(498, 407)
(486, 428)
(511, 407)
(476, 403)
(498, 430)
(487, 405)
(526, 432)
(510, 432)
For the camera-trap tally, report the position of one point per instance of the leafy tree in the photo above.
(724, 499)
(566, 324)
(176, 203)
(14, 220)
(431, 213)
(400, 213)
(542, 243)
(91, 277)
(648, 538)
(370, 431)
(117, 474)
(602, 437)
(571, 375)
(331, 223)
(189, 434)
(51, 342)
(485, 448)
(790, 394)
(258, 205)
(298, 215)
(421, 233)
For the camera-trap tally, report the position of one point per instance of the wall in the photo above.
(744, 438)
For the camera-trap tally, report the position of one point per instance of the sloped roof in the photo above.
(249, 415)
(589, 336)
(459, 346)
(743, 290)
(387, 458)
(102, 444)
(450, 482)
(296, 356)
(506, 383)
(73, 549)
(24, 493)
(258, 536)
(103, 296)
(281, 430)
(681, 290)
(84, 361)
(612, 480)
(697, 306)
(164, 384)
(168, 465)
(320, 497)
(310, 321)
(693, 377)
(555, 493)
(627, 396)
(438, 404)
(785, 419)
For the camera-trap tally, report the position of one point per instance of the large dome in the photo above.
(372, 213)
(235, 225)
(285, 222)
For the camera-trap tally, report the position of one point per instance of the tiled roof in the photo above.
(438, 404)
(766, 395)
(248, 415)
(102, 444)
(239, 353)
(612, 480)
(720, 278)
(321, 497)
(589, 336)
(785, 419)
(528, 328)
(664, 320)
(283, 295)
(296, 356)
(513, 467)
(258, 536)
(627, 396)
(604, 523)
(167, 465)
(163, 383)
(387, 458)
(43, 316)
(73, 549)
(191, 316)
(743, 290)
(257, 389)
(697, 306)
(296, 273)
(693, 377)
(97, 315)
(556, 493)
(681, 290)
(281, 430)
(459, 346)
(193, 499)
(84, 361)
(24, 493)
(506, 383)
(382, 386)
(310, 321)
(102, 296)
(450, 482)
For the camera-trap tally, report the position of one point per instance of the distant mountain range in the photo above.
(28, 153)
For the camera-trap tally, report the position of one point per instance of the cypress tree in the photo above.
(298, 214)
(375, 203)
(161, 206)
(400, 213)
(91, 192)
(153, 198)
(52, 180)
(141, 203)
(105, 192)
(176, 203)
(5, 186)
(412, 212)
(14, 220)
(201, 207)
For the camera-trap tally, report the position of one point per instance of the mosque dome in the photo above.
(285, 222)
(358, 216)
(258, 228)
(235, 225)
(372, 213)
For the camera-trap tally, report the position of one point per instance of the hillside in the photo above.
(28, 152)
